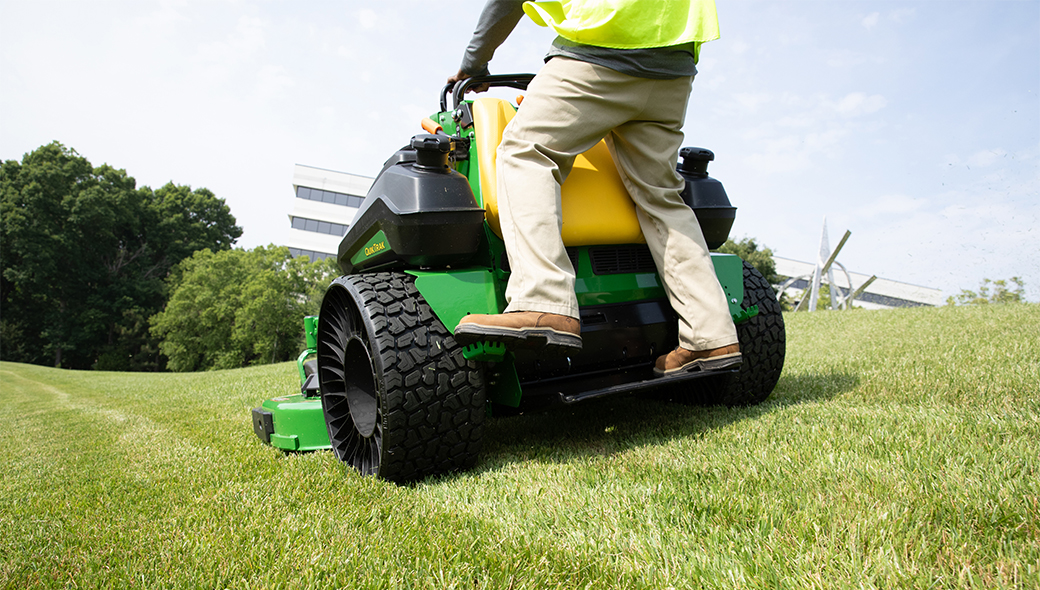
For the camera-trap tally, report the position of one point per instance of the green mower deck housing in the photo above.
(401, 399)
(295, 422)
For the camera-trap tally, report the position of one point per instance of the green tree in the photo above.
(84, 253)
(1001, 293)
(239, 307)
(759, 257)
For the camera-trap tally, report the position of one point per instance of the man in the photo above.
(620, 70)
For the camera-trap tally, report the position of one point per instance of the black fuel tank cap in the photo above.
(695, 160)
(431, 151)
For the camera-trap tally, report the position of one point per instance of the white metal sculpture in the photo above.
(826, 259)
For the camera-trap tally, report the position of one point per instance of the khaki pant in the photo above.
(568, 108)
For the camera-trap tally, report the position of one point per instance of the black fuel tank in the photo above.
(418, 213)
(706, 196)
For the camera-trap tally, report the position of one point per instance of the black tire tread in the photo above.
(763, 344)
(432, 400)
(762, 347)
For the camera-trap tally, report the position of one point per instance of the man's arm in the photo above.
(496, 22)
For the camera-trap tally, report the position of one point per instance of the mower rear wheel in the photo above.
(400, 400)
(762, 347)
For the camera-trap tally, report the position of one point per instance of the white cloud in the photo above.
(980, 159)
(367, 18)
(799, 120)
(858, 103)
(771, 153)
(985, 158)
(891, 205)
(844, 58)
(751, 102)
(898, 16)
(902, 15)
(242, 44)
(823, 141)
(272, 80)
(162, 21)
(778, 161)
(790, 133)
(415, 113)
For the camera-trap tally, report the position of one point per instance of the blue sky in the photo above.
(916, 125)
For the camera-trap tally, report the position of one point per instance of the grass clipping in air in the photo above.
(900, 449)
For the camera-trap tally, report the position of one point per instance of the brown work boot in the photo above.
(682, 360)
(531, 330)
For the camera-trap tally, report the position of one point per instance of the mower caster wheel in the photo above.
(400, 400)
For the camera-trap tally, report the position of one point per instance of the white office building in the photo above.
(325, 205)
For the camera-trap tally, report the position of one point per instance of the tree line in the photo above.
(98, 273)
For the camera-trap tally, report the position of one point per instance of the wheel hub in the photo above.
(360, 389)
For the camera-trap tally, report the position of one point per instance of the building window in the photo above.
(320, 227)
(310, 254)
(316, 194)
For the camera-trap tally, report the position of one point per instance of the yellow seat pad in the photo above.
(596, 207)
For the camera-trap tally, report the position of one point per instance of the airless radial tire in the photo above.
(400, 400)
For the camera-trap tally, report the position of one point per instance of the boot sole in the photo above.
(540, 339)
(717, 363)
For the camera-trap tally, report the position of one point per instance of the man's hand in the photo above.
(464, 76)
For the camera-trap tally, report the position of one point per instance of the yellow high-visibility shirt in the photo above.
(628, 24)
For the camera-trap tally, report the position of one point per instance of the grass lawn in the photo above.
(900, 449)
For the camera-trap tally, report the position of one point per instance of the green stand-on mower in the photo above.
(400, 399)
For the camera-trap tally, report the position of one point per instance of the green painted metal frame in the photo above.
(451, 294)
(310, 331)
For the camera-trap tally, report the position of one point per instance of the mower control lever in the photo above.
(518, 81)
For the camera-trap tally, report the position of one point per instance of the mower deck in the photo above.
(292, 423)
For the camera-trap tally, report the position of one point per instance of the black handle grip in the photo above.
(518, 81)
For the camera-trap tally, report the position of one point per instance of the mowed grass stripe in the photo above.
(73, 495)
(196, 507)
(883, 459)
